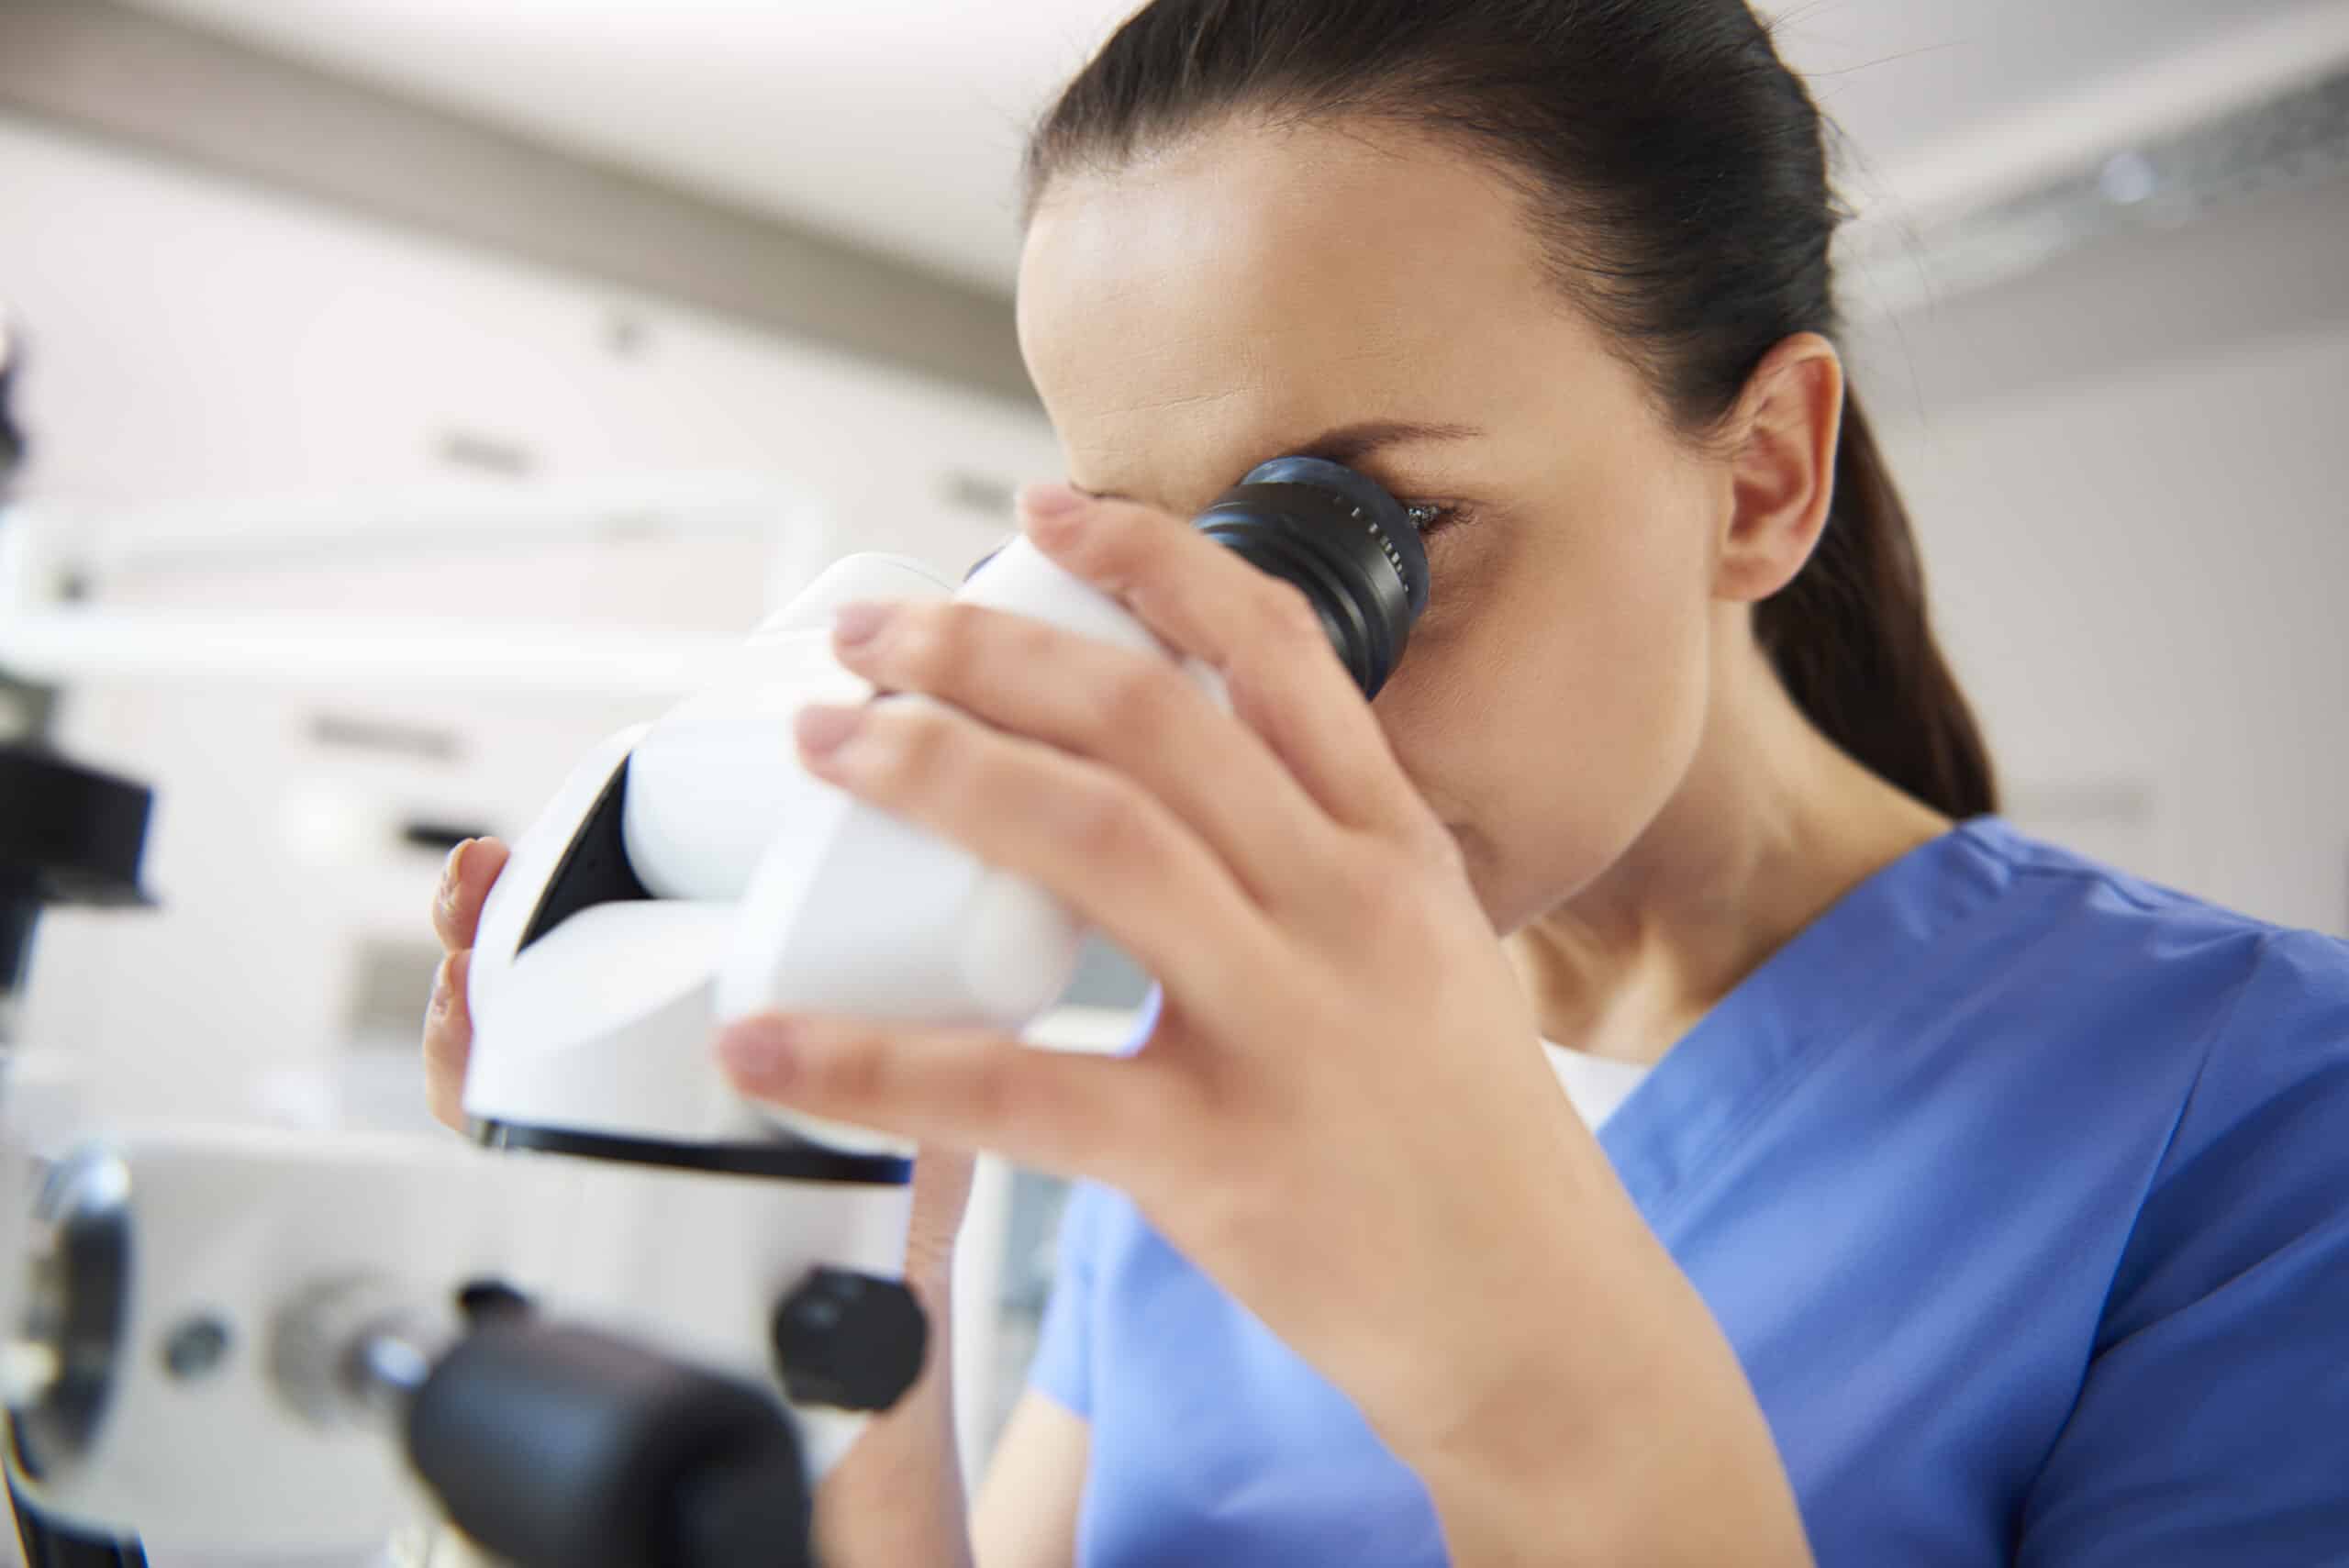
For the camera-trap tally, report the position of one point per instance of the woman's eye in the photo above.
(1432, 517)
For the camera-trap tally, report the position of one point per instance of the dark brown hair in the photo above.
(1677, 175)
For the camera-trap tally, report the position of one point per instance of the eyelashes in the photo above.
(1436, 517)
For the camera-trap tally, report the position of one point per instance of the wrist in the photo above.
(929, 1268)
(1685, 1481)
(1624, 1431)
(897, 1495)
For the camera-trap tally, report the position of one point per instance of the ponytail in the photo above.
(1854, 645)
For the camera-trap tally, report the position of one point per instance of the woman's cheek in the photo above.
(1551, 727)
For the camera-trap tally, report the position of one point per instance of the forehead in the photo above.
(1189, 313)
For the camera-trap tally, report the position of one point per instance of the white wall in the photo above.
(197, 337)
(2129, 478)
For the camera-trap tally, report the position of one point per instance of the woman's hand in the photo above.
(942, 1175)
(1343, 1114)
(466, 882)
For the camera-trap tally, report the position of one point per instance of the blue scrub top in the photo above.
(2020, 1186)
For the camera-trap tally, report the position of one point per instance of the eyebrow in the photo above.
(1349, 444)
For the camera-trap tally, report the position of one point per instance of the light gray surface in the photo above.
(2120, 306)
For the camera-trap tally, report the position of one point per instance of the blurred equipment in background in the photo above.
(24, 709)
(2192, 169)
(12, 439)
(68, 835)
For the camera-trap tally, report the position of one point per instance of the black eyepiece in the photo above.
(1342, 539)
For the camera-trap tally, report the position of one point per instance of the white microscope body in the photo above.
(762, 886)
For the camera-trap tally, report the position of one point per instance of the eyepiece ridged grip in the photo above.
(1344, 541)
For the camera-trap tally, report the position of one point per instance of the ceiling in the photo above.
(897, 122)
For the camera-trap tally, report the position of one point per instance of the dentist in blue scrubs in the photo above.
(1623, 1096)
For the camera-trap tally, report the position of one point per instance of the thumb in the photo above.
(1071, 1115)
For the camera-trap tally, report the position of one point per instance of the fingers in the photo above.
(466, 882)
(1284, 680)
(966, 1088)
(1080, 831)
(448, 1040)
(1136, 713)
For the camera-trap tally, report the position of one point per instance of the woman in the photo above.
(1919, 1193)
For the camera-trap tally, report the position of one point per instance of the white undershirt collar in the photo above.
(1596, 1084)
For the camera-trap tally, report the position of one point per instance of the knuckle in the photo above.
(447, 1051)
(445, 924)
(913, 743)
(1108, 823)
(1288, 616)
(851, 1071)
(1110, 542)
(991, 1091)
(1387, 892)
(1141, 692)
(931, 644)
(1027, 642)
(446, 1013)
(445, 990)
(445, 1060)
(1439, 852)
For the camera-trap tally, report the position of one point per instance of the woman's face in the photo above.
(1245, 293)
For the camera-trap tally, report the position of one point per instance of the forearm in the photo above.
(896, 1496)
(1697, 1486)
(1620, 1430)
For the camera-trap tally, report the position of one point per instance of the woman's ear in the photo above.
(1781, 467)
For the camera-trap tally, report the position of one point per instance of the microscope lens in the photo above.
(1337, 535)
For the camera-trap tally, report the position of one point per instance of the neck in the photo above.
(1771, 826)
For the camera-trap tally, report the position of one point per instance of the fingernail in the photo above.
(822, 728)
(758, 1051)
(1050, 499)
(854, 625)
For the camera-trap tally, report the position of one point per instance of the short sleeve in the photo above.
(1062, 1369)
(2212, 1426)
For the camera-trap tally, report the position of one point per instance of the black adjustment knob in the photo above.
(850, 1340)
(559, 1447)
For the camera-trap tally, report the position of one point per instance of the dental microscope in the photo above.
(636, 1319)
